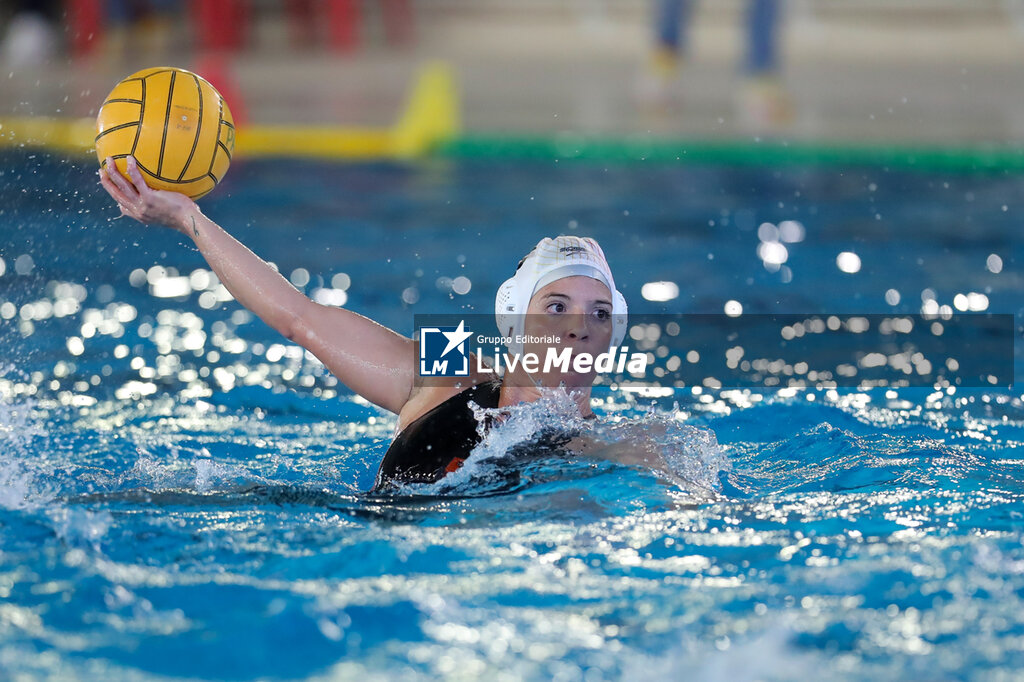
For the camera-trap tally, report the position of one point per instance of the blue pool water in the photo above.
(182, 493)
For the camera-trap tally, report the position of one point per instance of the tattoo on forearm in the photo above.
(195, 230)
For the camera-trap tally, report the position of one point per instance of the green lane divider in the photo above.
(982, 158)
(430, 128)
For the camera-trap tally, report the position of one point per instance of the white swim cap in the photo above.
(549, 261)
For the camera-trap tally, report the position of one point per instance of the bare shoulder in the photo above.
(432, 391)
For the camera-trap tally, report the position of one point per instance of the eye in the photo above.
(603, 314)
(556, 307)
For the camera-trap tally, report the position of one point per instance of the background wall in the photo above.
(937, 72)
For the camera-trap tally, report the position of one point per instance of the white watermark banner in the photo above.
(723, 351)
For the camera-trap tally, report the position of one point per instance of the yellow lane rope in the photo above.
(430, 117)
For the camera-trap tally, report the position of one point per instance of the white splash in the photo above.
(79, 527)
(685, 455)
(502, 428)
(21, 485)
(209, 473)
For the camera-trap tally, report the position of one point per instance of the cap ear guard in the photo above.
(620, 317)
(509, 307)
(509, 311)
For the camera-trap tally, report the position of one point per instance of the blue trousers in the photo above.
(673, 16)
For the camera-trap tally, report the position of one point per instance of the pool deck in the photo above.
(945, 81)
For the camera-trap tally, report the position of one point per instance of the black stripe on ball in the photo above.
(199, 128)
(115, 128)
(142, 112)
(167, 122)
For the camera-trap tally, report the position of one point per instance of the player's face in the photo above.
(578, 312)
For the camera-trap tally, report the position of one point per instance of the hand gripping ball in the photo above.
(175, 124)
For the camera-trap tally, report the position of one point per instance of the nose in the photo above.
(578, 329)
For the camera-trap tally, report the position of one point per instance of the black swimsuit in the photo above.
(438, 442)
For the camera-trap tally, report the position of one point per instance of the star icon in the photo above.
(456, 337)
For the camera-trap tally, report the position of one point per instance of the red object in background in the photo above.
(344, 17)
(216, 68)
(220, 24)
(343, 24)
(302, 23)
(85, 25)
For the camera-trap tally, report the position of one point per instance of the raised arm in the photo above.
(369, 358)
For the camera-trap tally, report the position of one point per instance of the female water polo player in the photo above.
(563, 289)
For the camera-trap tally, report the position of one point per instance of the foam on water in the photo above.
(16, 483)
(78, 527)
(685, 455)
(23, 469)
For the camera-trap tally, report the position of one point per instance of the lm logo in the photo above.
(444, 351)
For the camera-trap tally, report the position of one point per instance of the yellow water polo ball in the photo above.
(175, 124)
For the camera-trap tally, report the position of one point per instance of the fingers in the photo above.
(111, 188)
(126, 186)
(122, 201)
(121, 189)
(136, 176)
